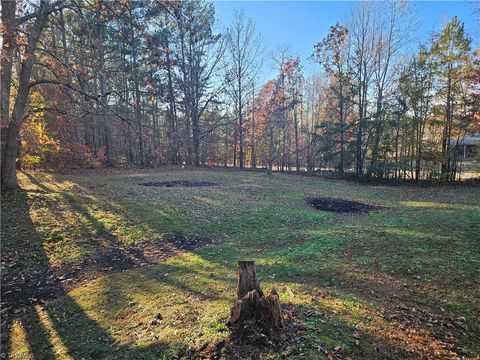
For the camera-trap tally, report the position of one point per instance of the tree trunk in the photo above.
(445, 139)
(240, 122)
(271, 151)
(8, 20)
(196, 139)
(297, 146)
(235, 146)
(9, 173)
(225, 160)
(107, 126)
(138, 110)
(172, 113)
(342, 129)
(247, 279)
(253, 151)
(253, 307)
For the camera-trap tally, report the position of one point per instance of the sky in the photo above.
(301, 24)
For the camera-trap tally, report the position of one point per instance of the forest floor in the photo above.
(97, 266)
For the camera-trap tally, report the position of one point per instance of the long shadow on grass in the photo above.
(82, 328)
(36, 299)
(43, 308)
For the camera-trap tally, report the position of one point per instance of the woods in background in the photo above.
(90, 83)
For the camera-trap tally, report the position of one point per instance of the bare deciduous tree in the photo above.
(244, 48)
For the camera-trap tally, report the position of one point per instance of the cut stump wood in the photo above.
(247, 279)
(252, 306)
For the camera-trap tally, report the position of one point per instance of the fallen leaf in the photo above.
(288, 351)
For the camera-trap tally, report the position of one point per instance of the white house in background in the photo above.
(470, 144)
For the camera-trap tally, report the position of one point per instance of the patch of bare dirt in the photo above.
(340, 205)
(178, 183)
(24, 289)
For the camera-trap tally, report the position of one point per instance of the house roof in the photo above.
(472, 139)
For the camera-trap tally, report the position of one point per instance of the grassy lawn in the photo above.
(399, 282)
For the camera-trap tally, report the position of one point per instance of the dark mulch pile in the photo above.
(27, 288)
(340, 205)
(178, 183)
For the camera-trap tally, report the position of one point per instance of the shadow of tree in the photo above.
(39, 298)
(23, 285)
(109, 255)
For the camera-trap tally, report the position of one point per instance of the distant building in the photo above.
(470, 144)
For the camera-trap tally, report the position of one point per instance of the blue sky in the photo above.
(301, 24)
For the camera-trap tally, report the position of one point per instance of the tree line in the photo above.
(90, 83)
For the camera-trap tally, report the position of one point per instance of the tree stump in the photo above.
(253, 307)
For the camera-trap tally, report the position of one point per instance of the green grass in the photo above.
(403, 277)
